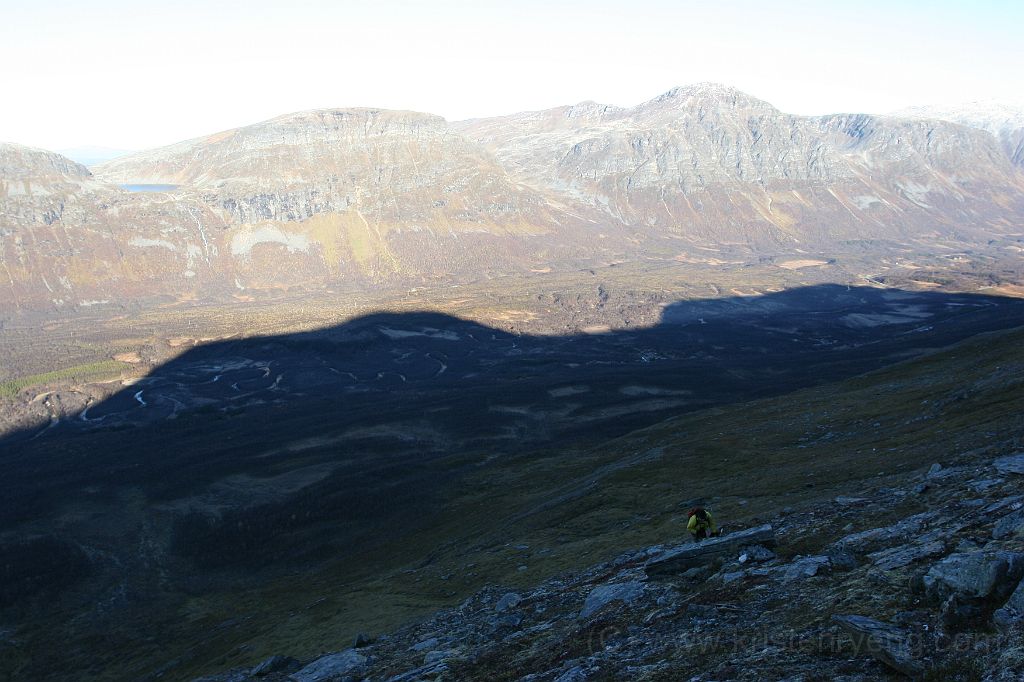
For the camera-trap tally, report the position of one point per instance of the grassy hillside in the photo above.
(525, 518)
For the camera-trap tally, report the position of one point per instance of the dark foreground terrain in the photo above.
(282, 493)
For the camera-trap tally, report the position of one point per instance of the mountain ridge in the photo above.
(381, 199)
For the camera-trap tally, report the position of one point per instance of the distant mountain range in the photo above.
(373, 198)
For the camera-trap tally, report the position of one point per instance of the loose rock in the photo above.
(886, 642)
(275, 664)
(1012, 464)
(603, 595)
(509, 601)
(330, 666)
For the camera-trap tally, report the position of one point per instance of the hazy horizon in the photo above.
(110, 75)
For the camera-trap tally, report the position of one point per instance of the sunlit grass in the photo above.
(92, 371)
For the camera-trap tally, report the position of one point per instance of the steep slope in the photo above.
(839, 471)
(712, 164)
(836, 469)
(369, 199)
(400, 488)
(69, 240)
(1004, 121)
(355, 192)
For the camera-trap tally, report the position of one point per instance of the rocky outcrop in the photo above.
(669, 164)
(374, 198)
(331, 667)
(683, 557)
(1012, 464)
(974, 575)
(1005, 122)
(743, 612)
(884, 641)
(603, 595)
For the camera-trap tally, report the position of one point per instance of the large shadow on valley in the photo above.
(301, 446)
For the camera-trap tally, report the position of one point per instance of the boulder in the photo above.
(603, 595)
(275, 664)
(1012, 612)
(888, 643)
(426, 644)
(509, 601)
(330, 667)
(733, 576)
(680, 558)
(957, 612)
(898, 557)
(806, 567)
(1016, 600)
(1011, 525)
(975, 575)
(843, 561)
(1011, 464)
(878, 538)
(756, 553)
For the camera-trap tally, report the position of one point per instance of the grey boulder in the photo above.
(974, 575)
(1011, 464)
(330, 667)
(509, 601)
(886, 642)
(806, 567)
(603, 595)
(1009, 526)
(275, 664)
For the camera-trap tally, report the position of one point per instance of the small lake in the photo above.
(149, 188)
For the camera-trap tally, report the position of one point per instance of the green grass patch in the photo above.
(92, 371)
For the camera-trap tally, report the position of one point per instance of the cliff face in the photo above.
(709, 162)
(1003, 121)
(359, 195)
(400, 169)
(372, 198)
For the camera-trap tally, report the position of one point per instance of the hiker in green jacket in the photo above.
(701, 524)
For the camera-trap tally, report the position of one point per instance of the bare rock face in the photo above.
(1003, 121)
(711, 163)
(397, 169)
(357, 194)
(373, 198)
(68, 239)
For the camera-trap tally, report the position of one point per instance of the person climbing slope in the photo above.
(701, 524)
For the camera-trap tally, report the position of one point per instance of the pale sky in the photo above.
(133, 75)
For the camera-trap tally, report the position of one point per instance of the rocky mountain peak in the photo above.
(18, 162)
(702, 95)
